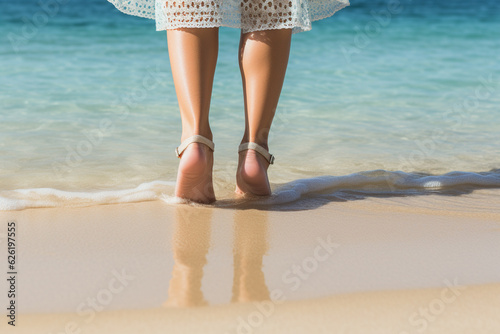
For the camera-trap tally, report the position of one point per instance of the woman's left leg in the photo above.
(263, 58)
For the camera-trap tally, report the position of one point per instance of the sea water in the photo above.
(383, 97)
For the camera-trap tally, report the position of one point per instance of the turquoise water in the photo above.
(87, 102)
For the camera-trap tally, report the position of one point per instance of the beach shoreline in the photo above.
(188, 256)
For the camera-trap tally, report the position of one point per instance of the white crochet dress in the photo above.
(249, 15)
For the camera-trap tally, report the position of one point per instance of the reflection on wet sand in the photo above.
(191, 242)
(250, 245)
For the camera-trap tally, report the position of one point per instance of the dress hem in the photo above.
(296, 27)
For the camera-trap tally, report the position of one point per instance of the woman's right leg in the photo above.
(193, 56)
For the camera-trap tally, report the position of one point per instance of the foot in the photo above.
(194, 177)
(251, 175)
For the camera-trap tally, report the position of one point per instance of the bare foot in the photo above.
(194, 177)
(251, 176)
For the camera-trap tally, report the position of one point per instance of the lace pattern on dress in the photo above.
(249, 15)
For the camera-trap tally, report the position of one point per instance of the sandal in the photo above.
(256, 147)
(193, 139)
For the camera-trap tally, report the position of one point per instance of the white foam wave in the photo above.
(381, 181)
(46, 197)
(372, 182)
(377, 182)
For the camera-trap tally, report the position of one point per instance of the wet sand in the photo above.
(401, 312)
(378, 265)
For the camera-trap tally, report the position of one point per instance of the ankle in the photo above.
(199, 127)
(262, 143)
(205, 132)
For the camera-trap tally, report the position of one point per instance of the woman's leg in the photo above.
(193, 57)
(263, 58)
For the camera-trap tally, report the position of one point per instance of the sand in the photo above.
(375, 265)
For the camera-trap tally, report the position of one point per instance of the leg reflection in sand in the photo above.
(190, 243)
(250, 245)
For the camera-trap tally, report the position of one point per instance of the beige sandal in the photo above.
(193, 139)
(256, 147)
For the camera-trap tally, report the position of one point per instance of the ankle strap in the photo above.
(193, 139)
(256, 147)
